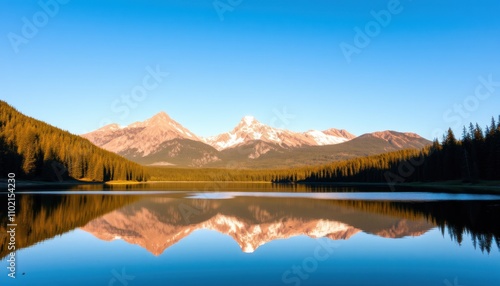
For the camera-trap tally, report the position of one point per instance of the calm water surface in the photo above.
(251, 234)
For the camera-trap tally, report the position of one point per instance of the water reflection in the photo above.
(244, 186)
(41, 217)
(156, 222)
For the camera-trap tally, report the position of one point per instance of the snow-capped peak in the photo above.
(249, 120)
(250, 129)
(321, 138)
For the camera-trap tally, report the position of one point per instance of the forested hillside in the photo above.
(476, 156)
(33, 149)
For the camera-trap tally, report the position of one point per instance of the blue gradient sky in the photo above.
(263, 58)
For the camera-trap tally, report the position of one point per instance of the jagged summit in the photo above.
(249, 120)
(160, 117)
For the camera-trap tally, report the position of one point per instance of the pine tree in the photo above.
(493, 127)
(450, 139)
(465, 135)
(30, 152)
(478, 133)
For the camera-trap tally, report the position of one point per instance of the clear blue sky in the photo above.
(262, 57)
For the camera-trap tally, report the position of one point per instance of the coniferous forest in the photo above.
(35, 150)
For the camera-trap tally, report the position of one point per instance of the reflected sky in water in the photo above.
(379, 196)
(188, 239)
(79, 258)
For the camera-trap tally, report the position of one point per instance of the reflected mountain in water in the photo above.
(156, 224)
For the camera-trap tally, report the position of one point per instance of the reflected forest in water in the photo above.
(42, 217)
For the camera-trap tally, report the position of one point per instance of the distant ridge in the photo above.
(162, 141)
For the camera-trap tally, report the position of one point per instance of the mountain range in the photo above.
(162, 141)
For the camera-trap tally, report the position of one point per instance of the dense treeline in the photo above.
(475, 157)
(35, 150)
(213, 174)
(344, 169)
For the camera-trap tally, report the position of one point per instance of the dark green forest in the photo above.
(33, 149)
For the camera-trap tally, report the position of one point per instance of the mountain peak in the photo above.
(161, 113)
(399, 139)
(110, 127)
(249, 120)
(328, 137)
(339, 133)
(161, 116)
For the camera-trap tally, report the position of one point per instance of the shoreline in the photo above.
(27, 184)
(492, 187)
(483, 187)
